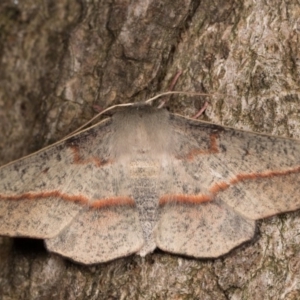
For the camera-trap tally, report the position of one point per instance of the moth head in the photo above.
(141, 131)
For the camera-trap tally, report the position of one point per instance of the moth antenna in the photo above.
(180, 92)
(171, 88)
(98, 115)
(201, 111)
(148, 101)
(144, 102)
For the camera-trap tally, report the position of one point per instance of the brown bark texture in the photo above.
(59, 58)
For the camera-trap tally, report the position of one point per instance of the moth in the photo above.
(146, 178)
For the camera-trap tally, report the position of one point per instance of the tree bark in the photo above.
(59, 58)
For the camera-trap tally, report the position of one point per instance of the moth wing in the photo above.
(99, 235)
(224, 180)
(72, 195)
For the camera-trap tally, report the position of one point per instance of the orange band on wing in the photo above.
(114, 201)
(80, 199)
(213, 149)
(223, 185)
(267, 174)
(77, 159)
(188, 199)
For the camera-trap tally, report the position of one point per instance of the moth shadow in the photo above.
(29, 246)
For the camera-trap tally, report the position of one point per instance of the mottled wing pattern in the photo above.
(146, 178)
(224, 180)
(73, 195)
